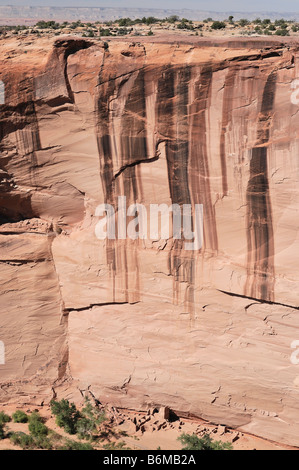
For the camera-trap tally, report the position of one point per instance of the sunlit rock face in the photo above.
(207, 332)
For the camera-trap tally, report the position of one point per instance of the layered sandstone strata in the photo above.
(145, 322)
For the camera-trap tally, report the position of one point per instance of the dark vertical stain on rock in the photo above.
(226, 119)
(106, 163)
(177, 148)
(103, 139)
(133, 132)
(260, 235)
(22, 121)
(173, 103)
(133, 148)
(199, 173)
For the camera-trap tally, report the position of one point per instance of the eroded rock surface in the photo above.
(145, 322)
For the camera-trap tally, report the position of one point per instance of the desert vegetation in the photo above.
(84, 428)
(87, 428)
(151, 25)
(194, 442)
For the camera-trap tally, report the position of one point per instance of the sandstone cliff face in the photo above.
(142, 322)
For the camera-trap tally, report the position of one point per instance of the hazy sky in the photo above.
(216, 5)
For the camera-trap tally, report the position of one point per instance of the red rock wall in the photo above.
(142, 322)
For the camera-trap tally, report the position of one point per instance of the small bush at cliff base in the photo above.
(2, 433)
(85, 428)
(93, 413)
(73, 445)
(91, 417)
(84, 424)
(38, 429)
(43, 442)
(193, 442)
(116, 446)
(27, 442)
(36, 425)
(22, 440)
(67, 415)
(4, 418)
(20, 417)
